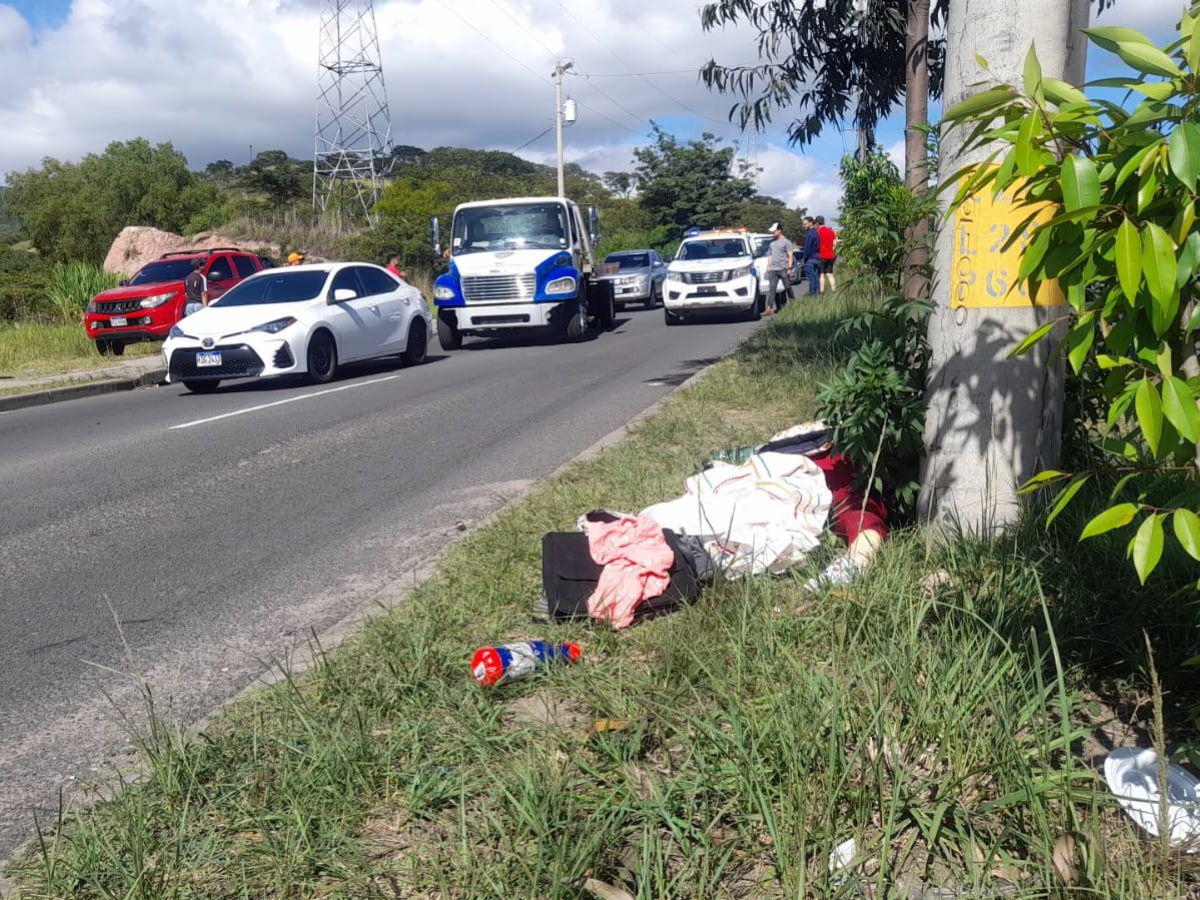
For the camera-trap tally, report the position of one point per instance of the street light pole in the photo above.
(562, 66)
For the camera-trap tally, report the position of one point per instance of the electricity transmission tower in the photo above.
(353, 143)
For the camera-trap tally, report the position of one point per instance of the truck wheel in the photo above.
(201, 387)
(102, 347)
(754, 313)
(608, 312)
(449, 337)
(117, 348)
(670, 318)
(418, 344)
(577, 324)
(655, 296)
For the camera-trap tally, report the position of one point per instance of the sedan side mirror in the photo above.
(341, 295)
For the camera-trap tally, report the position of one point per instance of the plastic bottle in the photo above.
(510, 662)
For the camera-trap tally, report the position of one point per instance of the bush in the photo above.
(24, 284)
(72, 285)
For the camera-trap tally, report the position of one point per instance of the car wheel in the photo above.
(449, 337)
(670, 318)
(418, 344)
(102, 348)
(201, 387)
(322, 358)
(618, 307)
(118, 349)
(655, 296)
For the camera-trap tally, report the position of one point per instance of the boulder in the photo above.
(137, 245)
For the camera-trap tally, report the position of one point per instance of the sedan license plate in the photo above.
(117, 322)
(208, 359)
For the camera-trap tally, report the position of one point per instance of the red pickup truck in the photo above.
(145, 307)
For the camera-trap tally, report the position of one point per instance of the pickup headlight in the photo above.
(561, 286)
(156, 300)
(91, 306)
(742, 272)
(276, 326)
(674, 276)
(441, 292)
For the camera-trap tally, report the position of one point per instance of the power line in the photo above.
(521, 25)
(485, 36)
(625, 109)
(532, 139)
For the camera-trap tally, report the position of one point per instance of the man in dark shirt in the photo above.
(195, 289)
(811, 255)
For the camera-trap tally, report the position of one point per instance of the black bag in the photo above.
(570, 575)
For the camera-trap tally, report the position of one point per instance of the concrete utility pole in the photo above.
(991, 421)
(562, 66)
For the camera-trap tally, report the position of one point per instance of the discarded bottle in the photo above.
(510, 662)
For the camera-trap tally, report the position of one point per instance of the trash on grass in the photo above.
(1133, 774)
(510, 662)
(601, 726)
(842, 855)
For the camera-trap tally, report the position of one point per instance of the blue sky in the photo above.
(42, 13)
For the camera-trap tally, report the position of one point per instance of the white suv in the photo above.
(711, 273)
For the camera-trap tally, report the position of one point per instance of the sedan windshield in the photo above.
(630, 260)
(536, 226)
(716, 248)
(279, 286)
(163, 270)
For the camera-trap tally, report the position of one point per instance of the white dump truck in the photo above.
(525, 262)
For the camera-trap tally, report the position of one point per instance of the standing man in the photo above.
(195, 289)
(811, 256)
(295, 258)
(827, 239)
(779, 263)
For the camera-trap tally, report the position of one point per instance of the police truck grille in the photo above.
(707, 277)
(498, 288)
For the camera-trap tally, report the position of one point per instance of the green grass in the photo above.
(946, 730)
(29, 349)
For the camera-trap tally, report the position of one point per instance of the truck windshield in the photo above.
(280, 286)
(524, 226)
(163, 270)
(717, 248)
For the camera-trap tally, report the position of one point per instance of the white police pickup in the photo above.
(712, 272)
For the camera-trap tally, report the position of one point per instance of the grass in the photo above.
(30, 349)
(952, 731)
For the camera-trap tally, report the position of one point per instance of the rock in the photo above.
(137, 245)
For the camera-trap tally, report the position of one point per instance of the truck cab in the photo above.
(518, 263)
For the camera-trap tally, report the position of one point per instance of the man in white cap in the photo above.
(780, 255)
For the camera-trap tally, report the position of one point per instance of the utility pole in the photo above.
(991, 421)
(562, 66)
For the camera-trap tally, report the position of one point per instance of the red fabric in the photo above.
(848, 517)
(825, 237)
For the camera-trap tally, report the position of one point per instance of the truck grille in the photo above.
(119, 306)
(707, 277)
(498, 288)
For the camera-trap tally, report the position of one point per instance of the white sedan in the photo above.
(299, 319)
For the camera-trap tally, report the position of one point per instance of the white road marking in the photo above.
(250, 409)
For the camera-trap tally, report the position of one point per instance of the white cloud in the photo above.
(800, 181)
(215, 77)
(895, 152)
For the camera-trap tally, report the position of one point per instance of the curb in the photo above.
(83, 389)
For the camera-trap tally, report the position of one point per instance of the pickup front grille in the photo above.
(708, 277)
(119, 306)
(499, 288)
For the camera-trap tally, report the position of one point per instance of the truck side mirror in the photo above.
(435, 236)
(593, 223)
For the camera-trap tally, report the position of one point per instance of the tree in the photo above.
(689, 183)
(620, 183)
(275, 174)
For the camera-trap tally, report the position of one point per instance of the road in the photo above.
(192, 540)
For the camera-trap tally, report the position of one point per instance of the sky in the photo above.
(222, 79)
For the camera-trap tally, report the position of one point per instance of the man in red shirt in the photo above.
(827, 254)
(393, 266)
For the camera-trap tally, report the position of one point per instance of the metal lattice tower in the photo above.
(353, 143)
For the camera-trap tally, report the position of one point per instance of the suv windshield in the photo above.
(277, 287)
(715, 248)
(630, 260)
(534, 226)
(163, 270)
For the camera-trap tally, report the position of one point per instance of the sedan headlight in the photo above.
(441, 292)
(276, 326)
(156, 300)
(176, 331)
(561, 286)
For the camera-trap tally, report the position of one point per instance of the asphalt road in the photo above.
(191, 541)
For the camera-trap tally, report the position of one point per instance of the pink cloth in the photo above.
(636, 560)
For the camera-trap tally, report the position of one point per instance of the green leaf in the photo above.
(1033, 338)
(1146, 191)
(1183, 152)
(1193, 50)
(1114, 517)
(1120, 485)
(1040, 479)
(1149, 413)
(1109, 36)
(1080, 183)
(1131, 165)
(1189, 254)
(1129, 259)
(1159, 266)
(1155, 90)
(1148, 59)
(1187, 531)
(1179, 406)
(1065, 496)
(1148, 546)
(1028, 154)
(1033, 72)
(984, 101)
(1059, 92)
(1079, 341)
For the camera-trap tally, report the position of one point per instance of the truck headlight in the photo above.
(155, 300)
(561, 286)
(441, 292)
(91, 306)
(742, 272)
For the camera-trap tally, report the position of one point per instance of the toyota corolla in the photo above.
(299, 320)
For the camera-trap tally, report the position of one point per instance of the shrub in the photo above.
(72, 285)
(24, 283)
